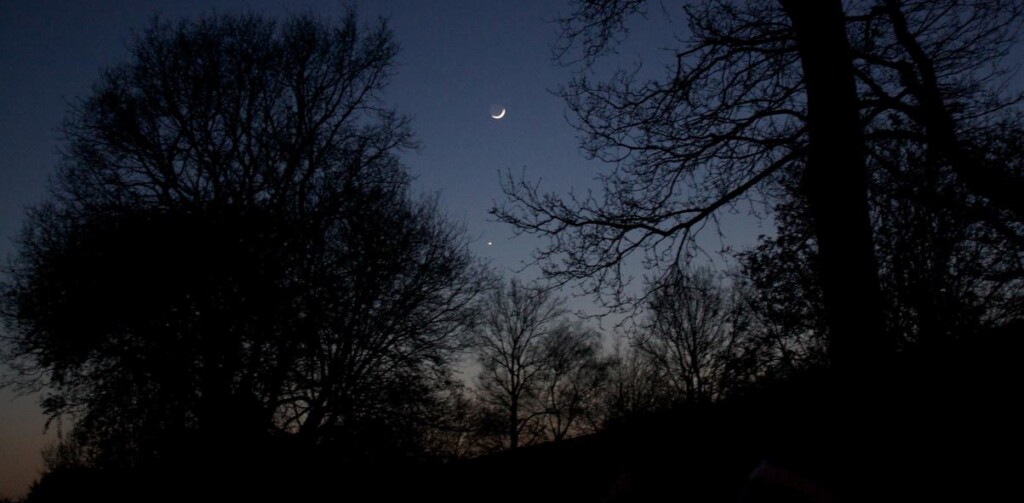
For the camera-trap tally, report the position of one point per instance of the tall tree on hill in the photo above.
(785, 101)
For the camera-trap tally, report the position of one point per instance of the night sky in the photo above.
(459, 58)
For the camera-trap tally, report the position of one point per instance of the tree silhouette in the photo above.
(510, 348)
(784, 298)
(835, 184)
(693, 333)
(856, 123)
(636, 386)
(775, 101)
(571, 384)
(230, 251)
(948, 249)
(540, 374)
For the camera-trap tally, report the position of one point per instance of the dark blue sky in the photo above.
(458, 58)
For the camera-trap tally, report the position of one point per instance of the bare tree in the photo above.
(457, 428)
(231, 249)
(575, 373)
(779, 99)
(540, 374)
(948, 249)
(692, 334)
(835, 184)
(938, 75)
(636, 386)
(510, 347)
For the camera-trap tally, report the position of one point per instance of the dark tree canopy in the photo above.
(231, 249)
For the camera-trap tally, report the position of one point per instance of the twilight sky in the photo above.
(458, 59)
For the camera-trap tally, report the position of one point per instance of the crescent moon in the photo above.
(499, 115)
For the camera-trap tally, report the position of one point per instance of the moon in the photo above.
(499, 115)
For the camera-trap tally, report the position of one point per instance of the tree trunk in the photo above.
(835, 184)
(513, 426)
